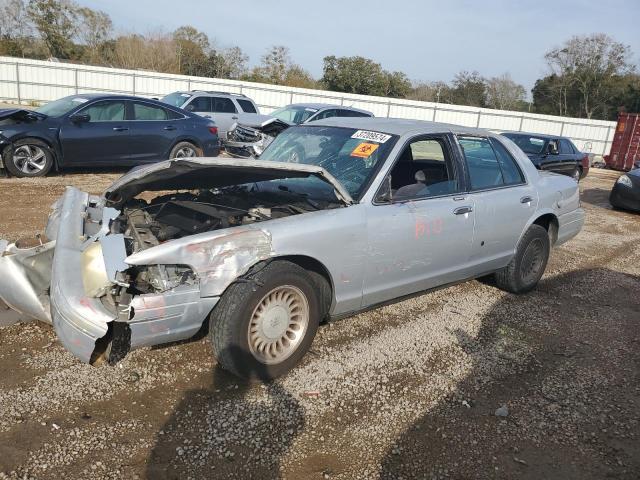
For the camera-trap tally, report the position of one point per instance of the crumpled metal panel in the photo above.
(25, 274)
(218, 257)
(168, 316)
(79, 320)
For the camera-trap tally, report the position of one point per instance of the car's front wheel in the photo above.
(28, 158)
(264, 325)
(527, 266)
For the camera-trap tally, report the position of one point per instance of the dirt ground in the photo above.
(405, 391)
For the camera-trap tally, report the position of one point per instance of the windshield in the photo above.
(527, 143)
(294, 114)
(62, 106)
(176, 99)
(352, 156)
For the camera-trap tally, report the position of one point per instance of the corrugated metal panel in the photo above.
(44, 81)
(625, 150)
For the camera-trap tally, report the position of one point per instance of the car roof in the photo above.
(112, 96)
(212, 93)
(324, 106)
(537, 135)
(398, 126)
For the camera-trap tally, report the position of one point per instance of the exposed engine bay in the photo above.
(148, 223)
(244, 141)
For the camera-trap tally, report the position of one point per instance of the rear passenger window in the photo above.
(223, 105)
(510, 171)
(201, 104)
(143, 111)
(247, 106)
(352, 113)
(484, 169)
(565, 147)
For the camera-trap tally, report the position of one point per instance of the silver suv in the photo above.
(224, 108)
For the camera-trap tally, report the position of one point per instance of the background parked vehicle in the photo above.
(226, 109)
(298, 113)
(100, 130)
(553, 153)
(250, 138)
(625, 193)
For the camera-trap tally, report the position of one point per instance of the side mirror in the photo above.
(80, 118)
(189, 108)
(386, 192)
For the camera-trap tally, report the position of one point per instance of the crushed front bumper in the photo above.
(52, 282)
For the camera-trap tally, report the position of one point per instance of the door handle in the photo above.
(463, 210)
(169, 127)
(120, 129)
(235, 117)
(526, 199)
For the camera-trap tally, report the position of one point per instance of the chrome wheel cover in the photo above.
(185, 152)
(29, 159)
(278, 324)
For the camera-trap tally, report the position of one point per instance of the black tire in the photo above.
(180, 150)
(28, 157)
(231, 318)
(527, 266)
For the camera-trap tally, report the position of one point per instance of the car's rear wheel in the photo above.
(28, 158)
(185, 150)
(527, 266)
(264, 325)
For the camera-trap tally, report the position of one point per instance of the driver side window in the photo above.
(109, 111)
(424, 169)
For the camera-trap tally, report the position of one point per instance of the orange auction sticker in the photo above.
(364, 150)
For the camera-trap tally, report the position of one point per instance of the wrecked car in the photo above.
(263, 251)
(100, 130)
(251, 135)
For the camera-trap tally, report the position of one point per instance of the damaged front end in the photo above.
(134, 268)
(250, 140)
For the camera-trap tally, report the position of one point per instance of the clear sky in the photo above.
(428, 40)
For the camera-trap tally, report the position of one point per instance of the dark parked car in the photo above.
(553, 153)
(625, 193)
(100, 130)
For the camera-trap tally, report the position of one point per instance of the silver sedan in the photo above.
(262, 251)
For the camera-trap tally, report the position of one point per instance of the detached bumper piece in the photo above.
(78, 320)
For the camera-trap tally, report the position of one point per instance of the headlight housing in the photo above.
(624, 180)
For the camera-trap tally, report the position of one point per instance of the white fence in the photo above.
(27, 81)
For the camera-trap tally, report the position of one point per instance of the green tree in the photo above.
(94, 30)
(354, 75)
(469, 88)
(593, 64)
(192, 50)
(56, 22)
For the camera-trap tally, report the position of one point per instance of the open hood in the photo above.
(216, 172)
(20, 114)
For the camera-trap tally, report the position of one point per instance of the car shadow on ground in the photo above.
(228, 428)
(530, 358)
(598, 197)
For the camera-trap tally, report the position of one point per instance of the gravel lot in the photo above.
(405, 391)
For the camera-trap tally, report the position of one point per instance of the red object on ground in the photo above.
(625, 150)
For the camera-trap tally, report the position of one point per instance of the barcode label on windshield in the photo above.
(371, 136)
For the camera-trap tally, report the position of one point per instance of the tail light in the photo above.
(213, 130)
(585, 161)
